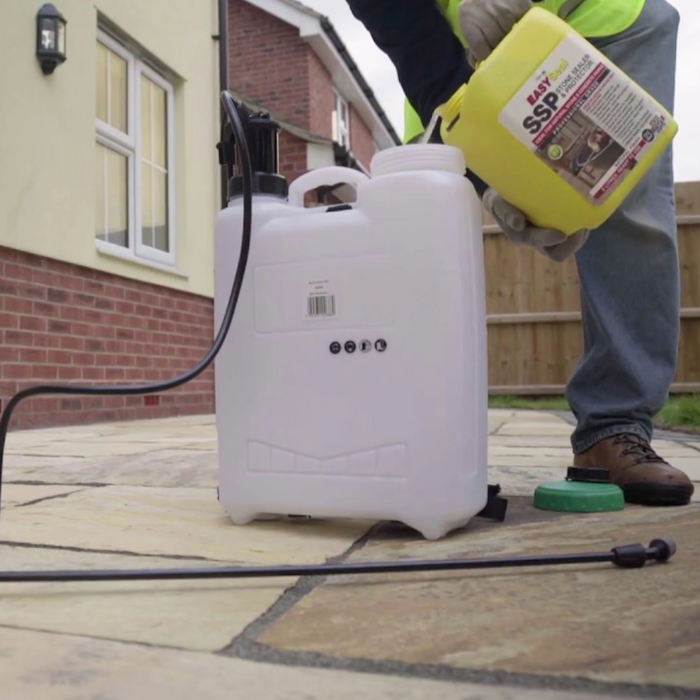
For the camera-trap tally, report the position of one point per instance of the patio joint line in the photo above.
(241, 645)
(50, 498)
(261, 653)
(120, 552)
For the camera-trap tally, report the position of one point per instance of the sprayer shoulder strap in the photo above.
(496, 506)
(568, 7)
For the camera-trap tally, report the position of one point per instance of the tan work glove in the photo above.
(484, 24)
(555, 245)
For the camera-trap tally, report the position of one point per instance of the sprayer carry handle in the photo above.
(332, 175)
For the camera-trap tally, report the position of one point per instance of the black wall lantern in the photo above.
(50, 38)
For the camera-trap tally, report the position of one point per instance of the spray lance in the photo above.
(253, 147)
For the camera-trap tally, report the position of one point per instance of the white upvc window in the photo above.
(341, 120)
(134, 122)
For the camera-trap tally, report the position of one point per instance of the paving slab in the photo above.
(690, 465)
(519, 480)
(536, 417)
(530, 442)
(164, 467)
(527, 427)
(84, 448)
(21, 494)
(497, 450)
(534, 461)
(135, 495)
(197, 615)
(562, 448)
(60, 667)
(174, 521)
(598, 623)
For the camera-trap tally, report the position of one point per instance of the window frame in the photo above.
(341, 130)
(130, 145)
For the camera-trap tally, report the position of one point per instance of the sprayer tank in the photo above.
(353, 383)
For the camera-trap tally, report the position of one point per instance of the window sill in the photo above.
(128, 256)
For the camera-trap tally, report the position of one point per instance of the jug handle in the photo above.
(332, 175)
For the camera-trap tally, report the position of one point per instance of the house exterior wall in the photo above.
(321, 97)
(69, 313)
(293, 156)
(47, 134)
(361, 141)
(273, 66)
(62, 323)
(269, 63)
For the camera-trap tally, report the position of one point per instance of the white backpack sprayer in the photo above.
(353, 383)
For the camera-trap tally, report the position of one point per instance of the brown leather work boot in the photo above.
(644, 477)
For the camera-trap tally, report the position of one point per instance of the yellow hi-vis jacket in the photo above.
(591, 19)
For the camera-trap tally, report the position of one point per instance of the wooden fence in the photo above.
(534, 310)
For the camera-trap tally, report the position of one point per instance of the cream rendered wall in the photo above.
(47, 132)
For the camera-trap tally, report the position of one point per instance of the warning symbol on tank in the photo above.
(366, 345)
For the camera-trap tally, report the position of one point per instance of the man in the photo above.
(628, 268)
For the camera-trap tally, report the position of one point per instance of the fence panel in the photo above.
(534, 317)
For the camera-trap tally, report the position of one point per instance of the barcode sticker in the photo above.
(321, 306)
(320, 300)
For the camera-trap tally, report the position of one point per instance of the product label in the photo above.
(584, 119)
(319, 299)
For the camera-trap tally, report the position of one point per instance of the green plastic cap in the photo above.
(579, 497)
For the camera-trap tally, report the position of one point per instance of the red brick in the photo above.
(12, 337)
(32, 323)
(32, 291)
(55, 317)
(8, 288)
(93, 373)
(32, 355)
(82, 329)
(42, 340)
(18, 272)
(12, 371)
(9, 354)
(9, 320)
(68, 373)
(17, 305)
(42, 371)
(8, 389)
(42, 308)
(83, 359)
(72, 313)
(70, 342)
(63, 357)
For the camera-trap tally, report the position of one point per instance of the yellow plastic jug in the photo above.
(554, 127)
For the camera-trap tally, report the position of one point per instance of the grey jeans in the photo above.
(630, 290)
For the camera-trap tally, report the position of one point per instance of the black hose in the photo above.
(633, 556)
(158, 387)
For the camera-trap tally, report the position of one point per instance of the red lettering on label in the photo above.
(534, 97)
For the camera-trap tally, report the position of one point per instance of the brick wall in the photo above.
(273, 66)
(361, 141)
(293, 157)
(322, 101)
(60, 323)
(269, 63)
